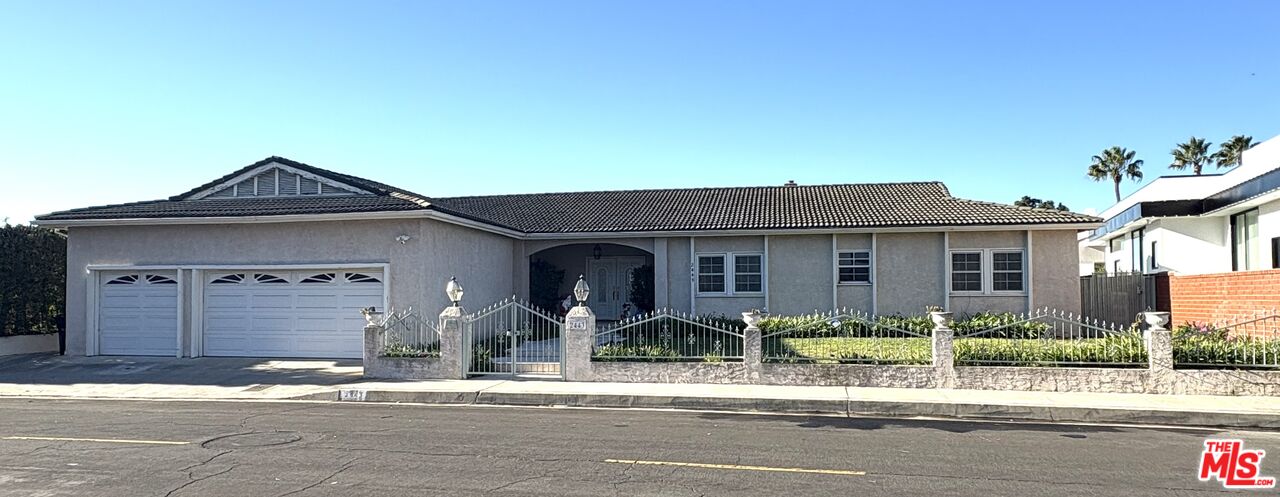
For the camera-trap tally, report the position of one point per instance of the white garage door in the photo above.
(138, 313)
(288, 313)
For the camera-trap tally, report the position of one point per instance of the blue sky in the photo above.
(107, 102)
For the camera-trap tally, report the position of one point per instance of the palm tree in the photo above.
(1116, 163)
(1231, 152)
(1194, 154)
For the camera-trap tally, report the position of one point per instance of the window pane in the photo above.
(966, 282)
(711, 264)
(746, 283)
(746, 264)
(713, 283)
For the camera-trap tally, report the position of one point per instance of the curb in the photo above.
(849, 408)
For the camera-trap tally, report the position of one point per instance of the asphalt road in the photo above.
(138, 448)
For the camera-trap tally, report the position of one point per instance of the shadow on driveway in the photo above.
(229, 372)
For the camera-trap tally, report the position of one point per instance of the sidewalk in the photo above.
(267, 380)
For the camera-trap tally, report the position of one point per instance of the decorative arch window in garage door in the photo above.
(299, 313)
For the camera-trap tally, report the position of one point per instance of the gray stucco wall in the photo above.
(909, 274)
(678, 275)
(801, 276)
(1055, 284)
(418, 268)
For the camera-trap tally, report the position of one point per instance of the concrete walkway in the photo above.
(260, 379)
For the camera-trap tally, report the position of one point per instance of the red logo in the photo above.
(1233, 465)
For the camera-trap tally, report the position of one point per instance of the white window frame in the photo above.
(991, 271)
(869, 265)
(730, 267)
(987, 272)
(983, 267)
(697, 273)
(733, 287)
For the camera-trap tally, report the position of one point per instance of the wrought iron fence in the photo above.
(846, 337)
(408, 334)
(669, 336)
(1048, 337)
(1247, 343)
(513, 337)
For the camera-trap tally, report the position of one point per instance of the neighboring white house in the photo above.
(277, 258)
(1190, 225)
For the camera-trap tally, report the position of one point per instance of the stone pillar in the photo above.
(1159, 342)
(578, 333)
(374, 337)
(752, 354)
(943, 351)
(454, 353)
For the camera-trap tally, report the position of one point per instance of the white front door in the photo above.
(138, 313)
(610, 280)
(300, 313)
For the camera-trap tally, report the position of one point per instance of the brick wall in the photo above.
(1216, 298)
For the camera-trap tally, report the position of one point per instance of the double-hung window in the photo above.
(966, 271)
(988, 271)
(711, 273)
(748, 273)
(1006, 271)
(730, 274)
(854, 267)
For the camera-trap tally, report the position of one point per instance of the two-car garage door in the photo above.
(307, 313)
(245, 313)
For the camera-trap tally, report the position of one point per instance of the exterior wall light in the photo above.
(581, 291)
(454, 291)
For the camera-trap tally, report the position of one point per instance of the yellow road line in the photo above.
(740, 467)
(101, 440)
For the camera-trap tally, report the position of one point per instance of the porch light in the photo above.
(454, 291)
(596, 252)
(581, 291)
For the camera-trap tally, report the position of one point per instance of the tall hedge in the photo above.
(33, 280)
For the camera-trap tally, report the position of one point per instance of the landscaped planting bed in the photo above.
(1208, 347)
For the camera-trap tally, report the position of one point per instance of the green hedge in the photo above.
(33, 278)
(835, 350)
(1125, 349)
(1205, 346)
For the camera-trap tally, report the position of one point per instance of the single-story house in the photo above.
(277, 258)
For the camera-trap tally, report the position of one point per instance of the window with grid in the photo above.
(854, 266)
(1006, 271)
(711, 274)
(748, 274)
(966, 271)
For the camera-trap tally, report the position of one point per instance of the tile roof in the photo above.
(237, 207)
(750, 208)
(691, 209)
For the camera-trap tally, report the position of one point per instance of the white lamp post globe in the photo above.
(454, 291)
(581, 291)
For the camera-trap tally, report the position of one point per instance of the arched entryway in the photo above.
(621, 278)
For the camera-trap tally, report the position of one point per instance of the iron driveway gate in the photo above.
(513, 338)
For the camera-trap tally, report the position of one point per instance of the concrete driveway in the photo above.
(168, 377)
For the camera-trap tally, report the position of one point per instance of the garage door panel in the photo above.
(316, 319)
(225, 301)
(268, 323)
(317, 301)
(271, 301)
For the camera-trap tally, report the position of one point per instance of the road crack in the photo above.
(345, 466)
